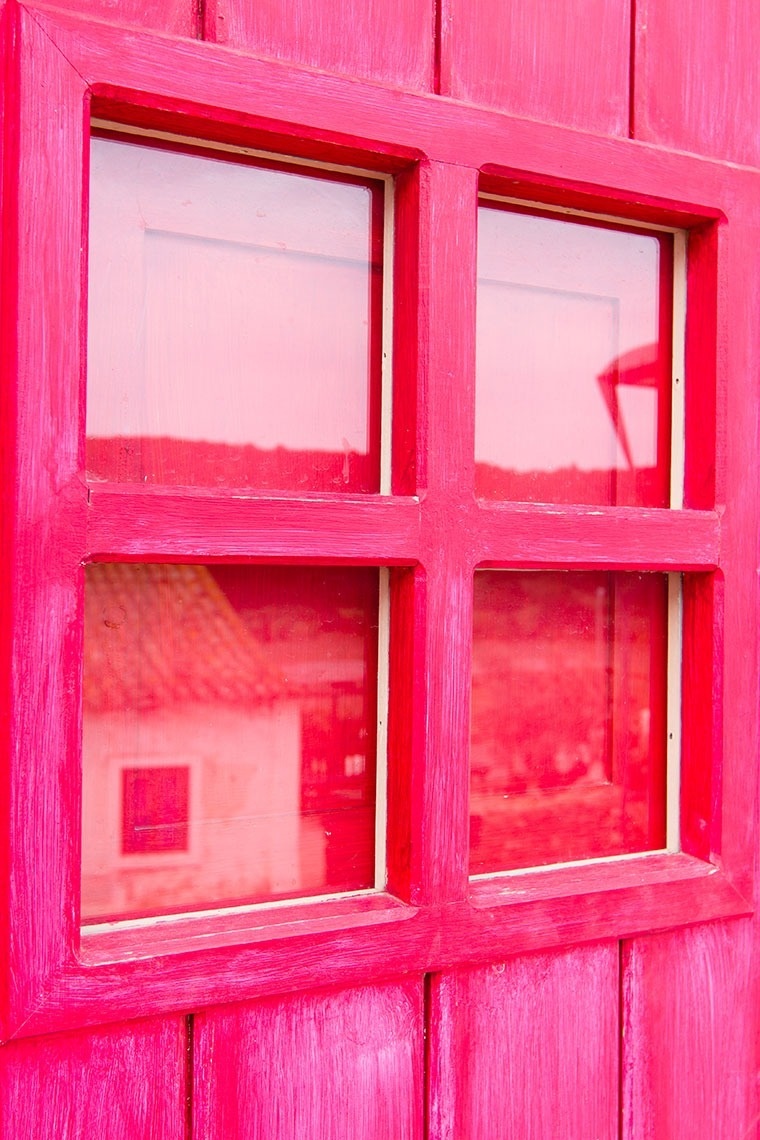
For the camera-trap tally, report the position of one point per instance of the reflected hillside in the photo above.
(194, 463)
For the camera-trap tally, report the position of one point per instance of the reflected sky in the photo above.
(234, 305)
(573, 367)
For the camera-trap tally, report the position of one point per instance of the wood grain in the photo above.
(696, 80)
(566, 62)
(390, 43)
(177, 17)
(39, 567)
(439, 790)
(183, 524)
(689, 1043)
(527, 1049)
(122, 1083)
(156, 967)
(281, 107)
(738, 363)
(438, 148)
(338, 1066)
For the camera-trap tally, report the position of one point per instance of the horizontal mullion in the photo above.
(144, 523)
(535, 535)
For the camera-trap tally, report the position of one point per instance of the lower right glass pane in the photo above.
(569, 730)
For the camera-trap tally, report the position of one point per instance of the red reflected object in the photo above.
(568, 716)
(222, 296)
(155, 809)
(573, 361)
(229, 735)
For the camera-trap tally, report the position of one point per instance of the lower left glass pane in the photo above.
(229, 735)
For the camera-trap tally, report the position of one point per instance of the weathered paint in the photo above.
(550, 1018)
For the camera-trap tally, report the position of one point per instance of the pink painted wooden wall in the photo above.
(650, 1038)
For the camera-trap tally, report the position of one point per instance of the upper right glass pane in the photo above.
(574, 361)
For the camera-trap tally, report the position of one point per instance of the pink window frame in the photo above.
(59, 72)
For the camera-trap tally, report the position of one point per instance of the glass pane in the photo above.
(234, 323)
(568, 716)
(229, 735)
(573, 361)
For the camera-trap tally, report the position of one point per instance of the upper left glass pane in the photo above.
(235, 310)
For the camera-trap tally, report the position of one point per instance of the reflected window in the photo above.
(222, 295)
(568, 716)
(574, 361)
(229, 741)
(155, 807)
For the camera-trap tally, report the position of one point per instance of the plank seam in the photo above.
(437, 47)
(632, 72)
(427, 1084)
(189, 1051)
(621, 1042)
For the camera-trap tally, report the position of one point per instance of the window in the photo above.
(235, 313)
(568, 716)
(574, 360)
(416, 536)
(267, 678)
(573, 404)
(234, 341)
(156, 809)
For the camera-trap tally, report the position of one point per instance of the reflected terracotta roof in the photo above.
(158, 636)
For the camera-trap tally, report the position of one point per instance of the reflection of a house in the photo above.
(200, 779)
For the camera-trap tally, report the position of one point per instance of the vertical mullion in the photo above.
(434, 393)
(450, 222)
(442, 832)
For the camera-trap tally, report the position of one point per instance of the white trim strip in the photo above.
(109, 127)
(673, 714)
(572, 212)
(383, 688)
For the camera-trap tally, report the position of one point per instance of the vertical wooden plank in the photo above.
(337, 1066)
(7, 403)
(177, 17)
(389, 42)
(120, 1083)
(696, 77)
(689, 1038)
(565, 62)
(527, 1049)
